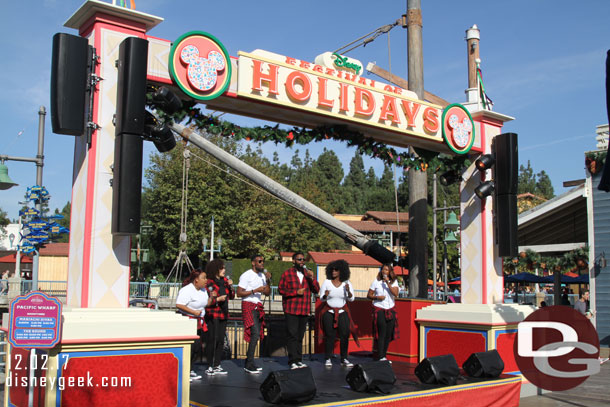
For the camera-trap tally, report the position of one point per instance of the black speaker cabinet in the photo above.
(372, 377)
(289, 386)
(69, 61)
(484, 364)
(438, 370)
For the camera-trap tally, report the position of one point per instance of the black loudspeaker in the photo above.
(506, 168)
(289, 386)
(69, 63)
(507, 218)
(438, 370)
(506, 180)
(484, 364)
(130, 118)
(372, 377)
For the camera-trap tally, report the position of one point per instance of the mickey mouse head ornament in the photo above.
(200, 65)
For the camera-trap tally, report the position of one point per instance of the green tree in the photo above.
(65, 222)
(4, 221)
(526, 179)
(544, 186)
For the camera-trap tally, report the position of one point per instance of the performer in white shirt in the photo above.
(192, 300)
(334, 313)
(252, 284)
(383, 290)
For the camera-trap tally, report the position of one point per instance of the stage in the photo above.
(238, 388)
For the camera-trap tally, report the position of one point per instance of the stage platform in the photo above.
(238, 388)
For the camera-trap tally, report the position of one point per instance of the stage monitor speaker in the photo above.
(372, 377)
(69, 62)
(289, 386)
(484, 364)
(438, 370)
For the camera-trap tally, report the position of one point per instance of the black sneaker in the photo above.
(250, 368)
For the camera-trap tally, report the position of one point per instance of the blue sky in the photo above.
(543, 63)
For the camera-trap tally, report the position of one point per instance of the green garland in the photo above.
(529, 260)
(423, 161)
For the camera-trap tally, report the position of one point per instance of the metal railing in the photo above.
(50, 287)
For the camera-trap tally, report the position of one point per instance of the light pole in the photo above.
(204, 241)
(6, 183)
(449, 229)
(445, 208)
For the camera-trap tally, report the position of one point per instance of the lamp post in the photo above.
(6, 182)
(449, 228)
(204, 241)
(445, 208)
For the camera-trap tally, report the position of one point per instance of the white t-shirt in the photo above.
(193, 298)
(381, 288)
(337, 296)
(251, 280)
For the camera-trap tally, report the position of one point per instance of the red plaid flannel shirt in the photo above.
(389, 315)
(246, 312)
(292, 302)
(214, 310)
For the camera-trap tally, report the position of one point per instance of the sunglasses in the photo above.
(301, 259)
(260, 261)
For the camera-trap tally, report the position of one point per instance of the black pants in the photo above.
(385, 329)
(295, 330)
(255, 333)
(196, 347)
(330, 333)
(217, 329)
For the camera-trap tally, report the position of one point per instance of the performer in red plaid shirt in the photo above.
(217, 313)
(296, 286)
(252, 284)
(383, 290)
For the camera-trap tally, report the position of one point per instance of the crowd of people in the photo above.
(205, 294)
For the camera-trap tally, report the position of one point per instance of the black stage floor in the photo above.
(240, 389)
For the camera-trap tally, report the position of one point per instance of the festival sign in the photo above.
(35, 321)
(274, 87)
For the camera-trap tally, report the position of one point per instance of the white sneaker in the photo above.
(347, 363)
(219, 370)
(194, 375)
(210, 371)
(328, 363)
(294, 366)
(385, 360)
(301, 364)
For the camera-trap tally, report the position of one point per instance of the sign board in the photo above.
(35, 321)
(283, 89)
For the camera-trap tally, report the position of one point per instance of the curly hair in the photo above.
(192, 277)
(342, 266)
(212, 269)
(392, 275)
